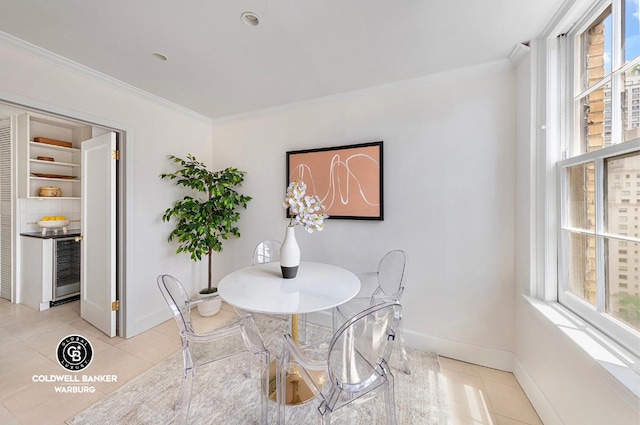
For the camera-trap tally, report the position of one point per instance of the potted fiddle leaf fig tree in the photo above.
(206, 216)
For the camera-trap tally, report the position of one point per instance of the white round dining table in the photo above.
(262, 289)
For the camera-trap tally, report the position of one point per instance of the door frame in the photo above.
(124, 196)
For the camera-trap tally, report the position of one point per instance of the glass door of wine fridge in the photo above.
(66, 273)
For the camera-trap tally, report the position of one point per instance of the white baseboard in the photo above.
(145, 323)
(545, 410)
(476, 354)
(471, 353)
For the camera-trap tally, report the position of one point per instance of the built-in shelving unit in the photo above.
(49, 165)
(66, 162)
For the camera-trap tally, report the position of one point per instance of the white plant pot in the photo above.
(211, 304)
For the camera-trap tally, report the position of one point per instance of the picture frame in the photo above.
(348, 179)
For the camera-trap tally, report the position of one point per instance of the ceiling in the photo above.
(302, 49)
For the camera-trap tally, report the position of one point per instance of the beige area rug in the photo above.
(224, 394)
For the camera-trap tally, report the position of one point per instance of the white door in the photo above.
(98, 274)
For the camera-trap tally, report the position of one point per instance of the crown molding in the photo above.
(519, 51)
(45, 55)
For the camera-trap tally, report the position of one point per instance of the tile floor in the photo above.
(477, 395)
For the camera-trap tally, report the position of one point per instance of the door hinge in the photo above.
(115, 306)
(115, 155)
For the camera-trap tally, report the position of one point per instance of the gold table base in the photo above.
(297, 390)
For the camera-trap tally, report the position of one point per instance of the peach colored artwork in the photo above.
(347, 179)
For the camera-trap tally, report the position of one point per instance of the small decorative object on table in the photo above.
(305, 210)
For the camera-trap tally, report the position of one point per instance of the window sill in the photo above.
(621, 365)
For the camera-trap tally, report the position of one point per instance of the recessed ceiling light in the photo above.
(250, 19)
(159, 56)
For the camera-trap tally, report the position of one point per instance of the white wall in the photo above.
(154, 130)
(448, 195)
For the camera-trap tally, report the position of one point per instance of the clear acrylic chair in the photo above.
(390, 278)
(266, 251)
(354, 366)
(239, 337)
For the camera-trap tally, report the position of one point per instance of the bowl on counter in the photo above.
(53, 225)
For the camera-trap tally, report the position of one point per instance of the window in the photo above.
(601, 153)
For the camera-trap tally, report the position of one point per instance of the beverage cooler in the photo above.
(66, 267)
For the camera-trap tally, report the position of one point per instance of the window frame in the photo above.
(570, 93)
(597, 315)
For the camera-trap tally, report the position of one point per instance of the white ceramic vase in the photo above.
(289, 254)
(210, 305)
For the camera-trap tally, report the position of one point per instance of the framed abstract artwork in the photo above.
(347, 179)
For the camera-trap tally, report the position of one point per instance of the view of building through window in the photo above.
(619, 289)
(622, 218)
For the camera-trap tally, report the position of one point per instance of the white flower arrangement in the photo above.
(307, 211)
